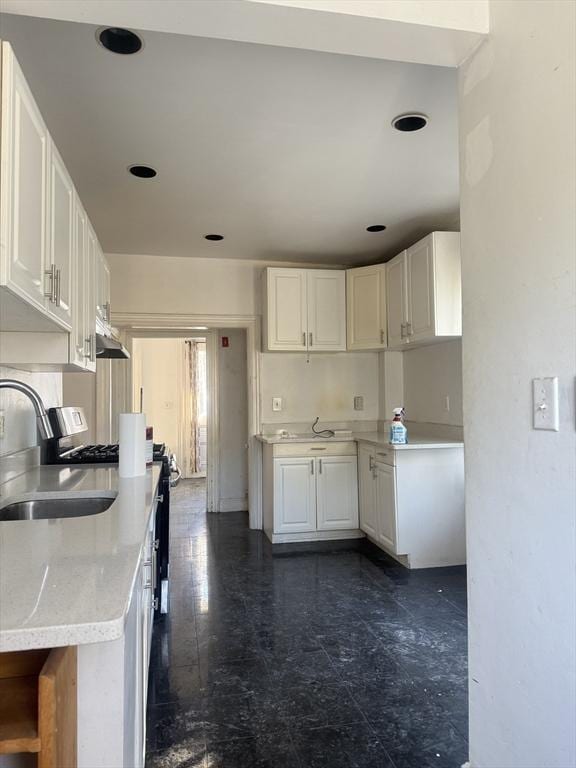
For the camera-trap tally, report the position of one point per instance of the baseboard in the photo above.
(287, 538)
(233, 505)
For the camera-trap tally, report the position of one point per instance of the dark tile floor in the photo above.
(303, 659)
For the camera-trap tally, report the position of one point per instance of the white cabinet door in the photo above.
(396, 299)
(366, 307)
(294, 495)
(337, 492)
(326, 310)
(61, 250)
(386, 504)
(286, 309)
(103, 289)
(90, 298)
(420, 274)
(367, 491)
(78, 346)
(24, 187)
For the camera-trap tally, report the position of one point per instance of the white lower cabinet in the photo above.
(294, 495)
(337, 493)
(310, 492)
(412, 503)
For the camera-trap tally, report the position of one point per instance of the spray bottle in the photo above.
(398, 432)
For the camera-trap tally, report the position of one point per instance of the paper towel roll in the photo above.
(132, 434)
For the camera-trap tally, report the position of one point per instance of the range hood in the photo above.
(109, 347)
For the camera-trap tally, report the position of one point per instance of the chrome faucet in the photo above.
(41, 416)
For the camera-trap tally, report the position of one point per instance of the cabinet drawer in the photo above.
(384, 455)
(347, 448)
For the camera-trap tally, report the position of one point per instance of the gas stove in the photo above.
(99, 454)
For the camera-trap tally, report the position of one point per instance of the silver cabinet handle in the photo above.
(106, 308)
(311, 338)
(303, 338)
(317, 449)
(402, 330)
(320, 465)
(51, 275)
(381, 336)
(93, 347)
(57, 286)
(382, 454)
(155, 603)
(88, 343)
(311, 466)
(156, 544)
(371, 464)
(160, 498)
(409, 331)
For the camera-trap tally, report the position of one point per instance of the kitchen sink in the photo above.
(50, 509)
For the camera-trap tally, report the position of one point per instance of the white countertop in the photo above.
(415, 442)
(68, 581)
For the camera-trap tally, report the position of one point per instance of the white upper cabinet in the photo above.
(305, 310)
(326, 310)
(424, 295)
(24, 188)
(286, 309)
(397, 299)
(103, 291)
(366, 307)
(61, 251)
(48, 250)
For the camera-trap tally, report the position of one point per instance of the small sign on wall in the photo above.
(225, 341)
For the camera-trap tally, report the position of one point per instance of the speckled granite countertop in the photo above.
(415, 442)
(68, 581)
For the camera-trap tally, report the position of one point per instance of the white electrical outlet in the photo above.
(358, 403)
(276, 403)
(545, 403)
(1, 424)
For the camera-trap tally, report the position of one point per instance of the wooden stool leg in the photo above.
(57, 710)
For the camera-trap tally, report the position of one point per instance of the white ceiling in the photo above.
(288, 153)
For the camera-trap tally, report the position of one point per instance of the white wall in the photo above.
(430, 375)
(518, 139)
(20, 430)
(233, 418)
(160, 373)
(325, 386)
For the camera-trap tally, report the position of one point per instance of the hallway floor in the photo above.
(332, 659)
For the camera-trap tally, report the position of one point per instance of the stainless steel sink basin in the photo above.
(50, 509)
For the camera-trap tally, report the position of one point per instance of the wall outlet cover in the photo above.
(359, 403)
(545, 404)
(276, 403)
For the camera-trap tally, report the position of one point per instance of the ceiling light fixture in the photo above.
(142, 171)
(214, 238)
(376, 228)
(118, 40)
(412, 121)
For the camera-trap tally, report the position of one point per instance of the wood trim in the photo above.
(58, 710)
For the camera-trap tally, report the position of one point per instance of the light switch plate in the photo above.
(276, 403)
(545, 404)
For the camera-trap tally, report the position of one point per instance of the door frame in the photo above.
(135, 324)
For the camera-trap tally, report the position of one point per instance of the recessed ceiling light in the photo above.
(410, 122)
(143, 171)
(376, 228)
(119, 40)
(214, 237)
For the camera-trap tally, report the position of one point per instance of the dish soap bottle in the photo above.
(398, 432)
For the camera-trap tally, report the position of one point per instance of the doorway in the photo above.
(195, 393)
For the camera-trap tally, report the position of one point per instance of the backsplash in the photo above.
(19, 417)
